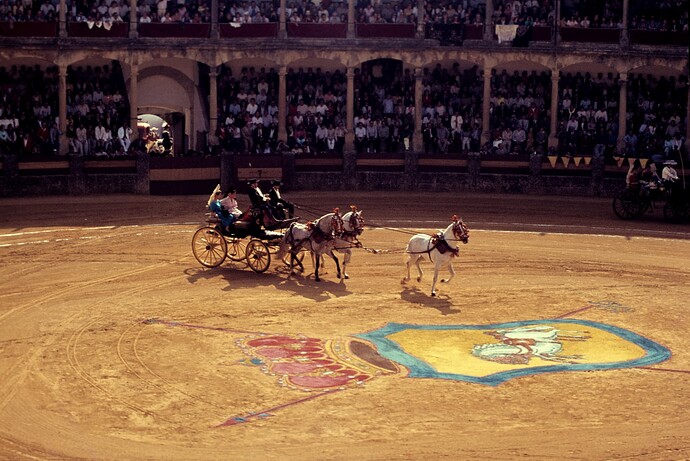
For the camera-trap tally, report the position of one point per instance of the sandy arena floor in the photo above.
(116, 344)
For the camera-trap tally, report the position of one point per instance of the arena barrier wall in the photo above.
(142, 174)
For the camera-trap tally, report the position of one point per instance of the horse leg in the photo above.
(317, 259)
(408, 260)
(337, 264)
(346, 261)
(433, 283)
(452, 274)
(419, 269)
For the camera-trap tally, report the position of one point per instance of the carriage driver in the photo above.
(256, 197)
(280, 205)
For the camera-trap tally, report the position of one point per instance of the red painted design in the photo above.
(305, 363)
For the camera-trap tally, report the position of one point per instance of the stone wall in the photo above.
(76, 176)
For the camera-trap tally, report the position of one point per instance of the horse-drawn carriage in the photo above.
(257, 236)
(635, 202)
(253, 238)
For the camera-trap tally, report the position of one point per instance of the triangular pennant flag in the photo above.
(577, 160)
(631, 161)
(552, 160)
(643, 162)
(619, 161)
(566, 161)
(587, 160)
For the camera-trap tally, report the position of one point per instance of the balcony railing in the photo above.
(155, 30)
(236, 30)
(28, 29)
(385, 30)
(82, 29)
(312, 30)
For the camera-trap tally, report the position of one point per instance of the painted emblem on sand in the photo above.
(492, 354)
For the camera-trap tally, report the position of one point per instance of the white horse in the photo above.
(353, 226)
(438, 248)
(318, 237)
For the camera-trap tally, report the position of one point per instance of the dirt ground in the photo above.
(116, 344)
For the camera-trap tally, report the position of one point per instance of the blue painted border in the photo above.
(655, 353)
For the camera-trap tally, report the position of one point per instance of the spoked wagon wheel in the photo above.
(627, 205)
(675, 211)
(237, 249)
(209, 247)
(299, 257)
(258, 256)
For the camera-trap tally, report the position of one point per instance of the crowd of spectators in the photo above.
(451, 109)
(519, 112)
(384, 107)
(248, 110)
(588, 113)
(386, 12)
(527, 12)
(316, 110)
(28, 110)
(384, 111)
(656, 115)
(97, 111)
(669, 15)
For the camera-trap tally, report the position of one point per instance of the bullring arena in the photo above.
(116, 344)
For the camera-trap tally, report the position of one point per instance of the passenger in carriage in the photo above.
(217, 204)
(283, 209)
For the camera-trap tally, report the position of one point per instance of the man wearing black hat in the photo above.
(257, 197)
(279, 204)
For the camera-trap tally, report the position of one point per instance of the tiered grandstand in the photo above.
(168, 97)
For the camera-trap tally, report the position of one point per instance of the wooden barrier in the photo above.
(176, 176)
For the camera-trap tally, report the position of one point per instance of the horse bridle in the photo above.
(460, 231)
(356, 222)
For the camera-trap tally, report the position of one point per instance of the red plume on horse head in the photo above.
(353, 208)
(336, 210)
(455, 218)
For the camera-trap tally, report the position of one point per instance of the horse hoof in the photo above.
(419, 279)
(443, 280)
(346, 276)
(433, 293)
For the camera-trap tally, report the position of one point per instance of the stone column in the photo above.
(62, 109)
(62, 20)
(213, 106)
(417, 138)
(625, 39)
(282, 25)
(687, 128)
(553, 127)
(282, 104)
(421, 19)
(215, 33)
(133, 19)
(351, 18)
(622, 109)
(489, 21)
(486, 103)
(134, 100)
(350, 109)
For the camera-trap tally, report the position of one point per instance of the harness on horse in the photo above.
(439, 243)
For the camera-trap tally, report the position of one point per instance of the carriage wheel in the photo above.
(237, 249)
(299, 257)
(209, 247)
(627, 205)
(675, 212)
(258, 256)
